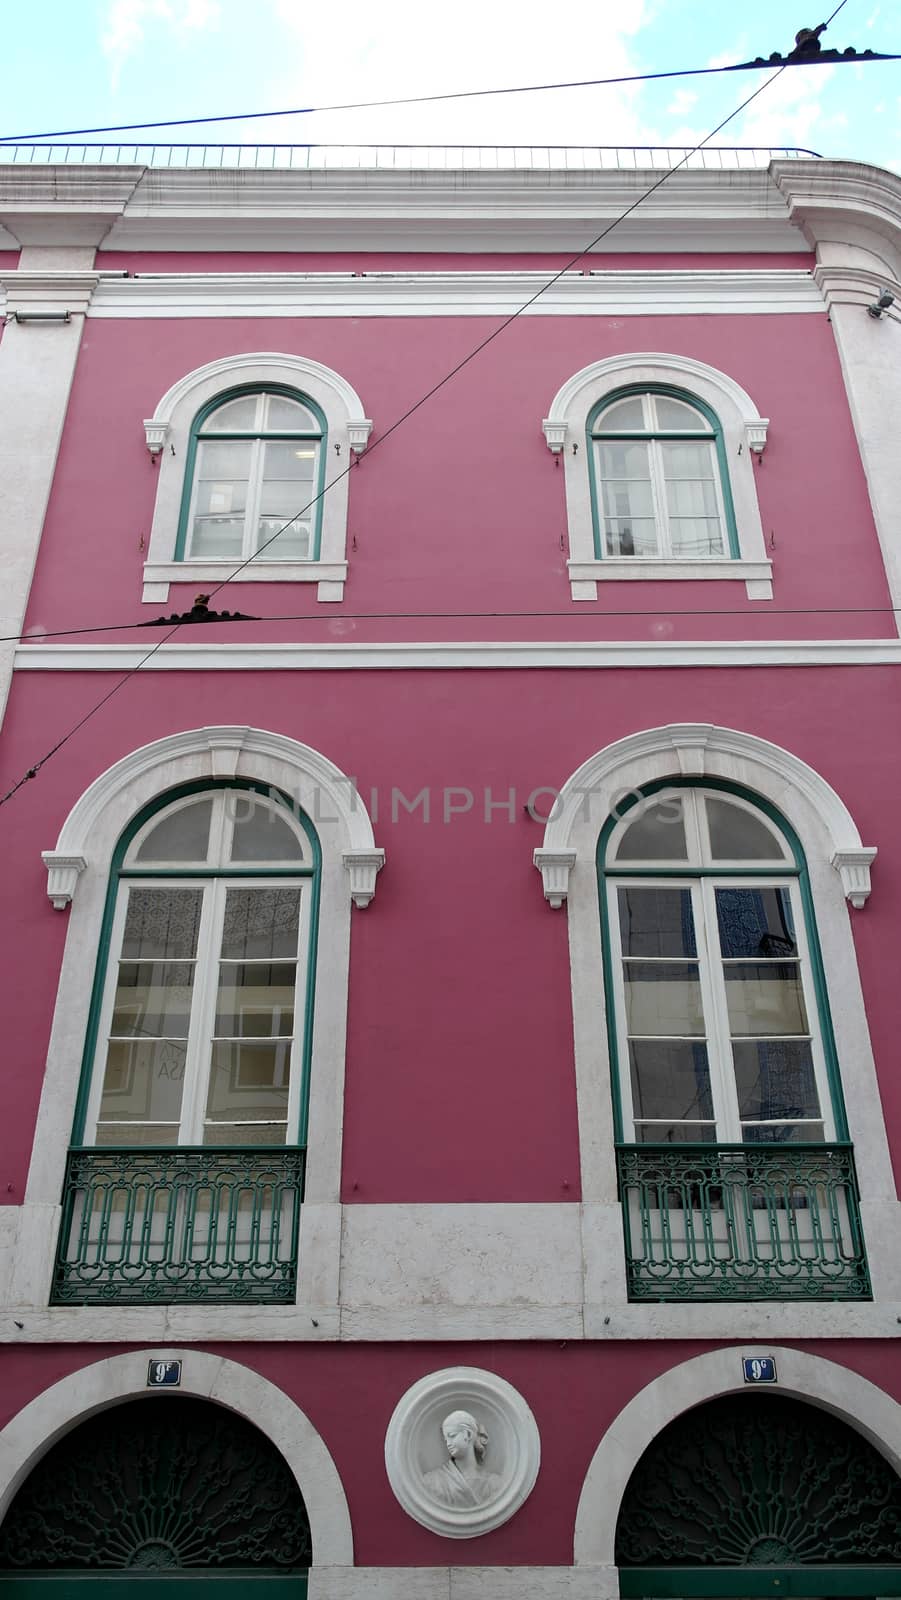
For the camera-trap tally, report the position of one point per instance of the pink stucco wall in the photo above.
(459, 1008)
(574, 1391)
(461, 512)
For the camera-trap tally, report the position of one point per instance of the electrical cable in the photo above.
(407, 100)
(460, 365)
(37, 638)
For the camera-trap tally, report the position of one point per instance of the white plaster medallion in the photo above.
(462, 1452)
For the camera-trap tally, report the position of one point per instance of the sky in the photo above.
(71, 64)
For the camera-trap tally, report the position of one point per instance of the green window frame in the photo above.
(656, 437)
(253, 514)
(792, 873)
(215, 877)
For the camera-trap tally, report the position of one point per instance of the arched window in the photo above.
(254, 478)
(245, 474)
(185, 1176)
(201, 1010)
(734, 1164)
(659, 477)
(717, 1027)
(657, 453)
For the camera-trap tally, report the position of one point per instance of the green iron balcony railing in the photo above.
(742, 1222)
(176, 1225)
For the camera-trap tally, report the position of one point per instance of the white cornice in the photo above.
(47, 291)
(391, 294)
(494, 654)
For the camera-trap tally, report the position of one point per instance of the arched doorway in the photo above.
(175, 1494)
(760, 1495)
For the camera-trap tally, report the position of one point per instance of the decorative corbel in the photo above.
(756, 434)
(555, 435)
(62, 875)
(155, 433)
(555, 867)
(358, 434)
(853, 867)
(363, 866)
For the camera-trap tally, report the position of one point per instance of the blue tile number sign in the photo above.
(163, 1373)
(759, 1369)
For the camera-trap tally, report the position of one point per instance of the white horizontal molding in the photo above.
(584, 576)
(158, 575)
(495, 653)
(666, 292)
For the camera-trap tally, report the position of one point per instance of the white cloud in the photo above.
(404, 48)
(127, 21)
(682, 101)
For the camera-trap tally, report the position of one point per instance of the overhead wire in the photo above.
(37, 635)
(759, 65)
(404, 417)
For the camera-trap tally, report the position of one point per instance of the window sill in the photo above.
(584, 576)
(329, 575)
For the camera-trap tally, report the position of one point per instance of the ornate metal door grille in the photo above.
(169, 1485)
(757, 1481)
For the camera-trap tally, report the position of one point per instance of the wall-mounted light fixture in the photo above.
(885, 300)
(42, 316)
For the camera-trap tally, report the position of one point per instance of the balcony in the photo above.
(742, 1222)
(170, 1226)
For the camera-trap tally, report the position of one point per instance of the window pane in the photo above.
(670, 1080)
(289, 461)
(663, 998)
(625, 416)
(143, 1082)
(260, 834)
(261, 923)
(220, 501)
(695, 537)
(675, 1133)
(153, 999)
(676, 414)
(255, 1001)
(111, 1133)
(249, 1082)
(774, 1079)
(288, 416)
(755, 922)
(182, 835)
(782, 1133)
(737, 835)
(262, 1133)
(236, 416)
(765, 998)
(279, 538)
(161, 923)
(656, 922)
(629, 463)
(687, 464)
(657, 834)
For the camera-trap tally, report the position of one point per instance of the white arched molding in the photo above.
(168, 434)
(838, 865)
(80, 1395)
(744, 436)
(848, 1396)
(350, 862)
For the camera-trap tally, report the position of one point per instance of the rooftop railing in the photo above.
(400, 157)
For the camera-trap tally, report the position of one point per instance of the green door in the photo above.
(162, 1498)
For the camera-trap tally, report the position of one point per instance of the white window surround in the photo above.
(79, 1395)
(168, 434)
(350, 862)
(744, 434)
(567, 862)
(866, 1408)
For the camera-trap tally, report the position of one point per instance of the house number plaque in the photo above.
(163, 1374)
(759, 1369)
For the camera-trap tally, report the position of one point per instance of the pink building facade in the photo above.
(463, 984)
